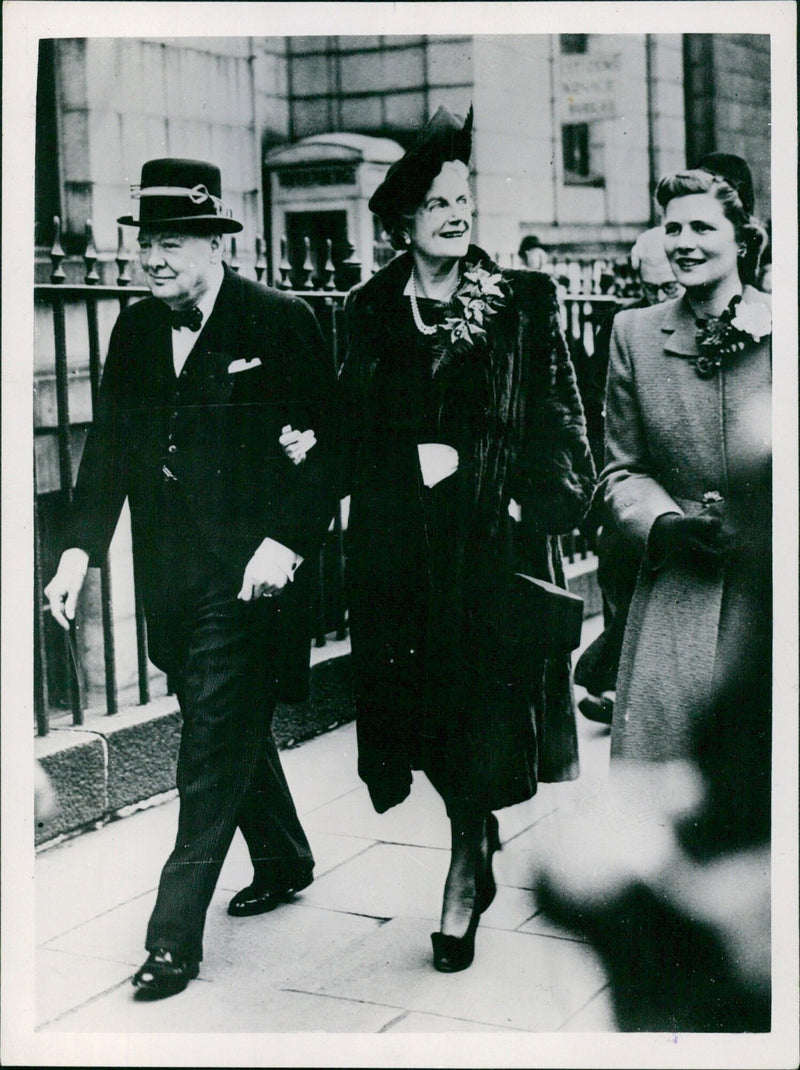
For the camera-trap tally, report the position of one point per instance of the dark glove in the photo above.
(699, 540)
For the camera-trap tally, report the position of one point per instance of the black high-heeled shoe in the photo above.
(454, 953)
(486, 886)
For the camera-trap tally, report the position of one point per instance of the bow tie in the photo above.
(187, 317)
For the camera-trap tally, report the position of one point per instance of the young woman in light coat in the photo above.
(687, 464)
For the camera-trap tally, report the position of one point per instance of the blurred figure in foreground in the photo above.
(618, 559)
(669, 876)
(45, 802)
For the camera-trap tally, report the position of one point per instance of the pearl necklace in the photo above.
(421, 326)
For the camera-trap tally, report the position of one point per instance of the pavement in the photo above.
(352, 953)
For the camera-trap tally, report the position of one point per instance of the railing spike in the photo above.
(350, 269)
(57, 275)
(285, 268)
(91, 278)
(123, 260)
(326, 274)
(261, 259)
(308, 266)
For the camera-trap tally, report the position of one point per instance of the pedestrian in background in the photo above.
(686, 421)
(618, 559)
(200, 381)
(460, 402)
(532, 253)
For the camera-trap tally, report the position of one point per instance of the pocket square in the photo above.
(242, 365)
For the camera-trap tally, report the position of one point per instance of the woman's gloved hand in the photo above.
(702, 539)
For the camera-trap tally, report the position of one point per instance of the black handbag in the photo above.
(542, 616)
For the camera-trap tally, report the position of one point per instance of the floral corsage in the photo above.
(480, 295)
(740, 325)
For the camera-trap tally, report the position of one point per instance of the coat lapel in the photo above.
(207, 365)
(680, 329)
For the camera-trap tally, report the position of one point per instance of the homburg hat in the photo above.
(444, 137)
(182, 194)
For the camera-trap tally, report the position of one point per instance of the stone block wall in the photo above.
(122, 101)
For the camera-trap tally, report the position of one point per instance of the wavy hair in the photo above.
(749, 232)
(397, 222)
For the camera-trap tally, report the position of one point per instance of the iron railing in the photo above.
(58, 675)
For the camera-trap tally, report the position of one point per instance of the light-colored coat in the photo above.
(671, 438)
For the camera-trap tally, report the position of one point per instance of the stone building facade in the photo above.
(571, 130)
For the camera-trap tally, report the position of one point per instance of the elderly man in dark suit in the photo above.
(202, 383)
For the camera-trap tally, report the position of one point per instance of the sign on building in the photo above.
(589, 87)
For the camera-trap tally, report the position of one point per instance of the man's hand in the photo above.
(268, 571)
(63, 590)
(296, 444)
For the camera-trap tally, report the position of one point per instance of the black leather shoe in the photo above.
(600, 710)
(451, 954)
(256, 898)
(164, 974)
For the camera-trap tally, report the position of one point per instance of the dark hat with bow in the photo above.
(182, 195)
(733, 170)
(444, 137)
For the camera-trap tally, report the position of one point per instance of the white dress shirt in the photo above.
(183, 342)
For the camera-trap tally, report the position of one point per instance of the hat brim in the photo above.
(204, 224)
(444, 138)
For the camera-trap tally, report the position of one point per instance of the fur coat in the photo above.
(514, 399)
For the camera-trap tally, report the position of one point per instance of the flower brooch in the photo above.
(479, 296)
(740, 325)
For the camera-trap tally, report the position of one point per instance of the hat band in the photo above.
(197, 194)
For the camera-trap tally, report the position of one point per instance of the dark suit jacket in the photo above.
(219, 436)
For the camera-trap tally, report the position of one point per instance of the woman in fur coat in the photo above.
(460, 407)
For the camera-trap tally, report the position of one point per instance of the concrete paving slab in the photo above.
(434, 1023)
(387, 881)
(65, 981)
(514, 867)
(596, 1017)
(329, 852)
(540, 925)
(515, 819)
(274, 949)
(213, 1008)
(116, 936)
(322, 769)
(511, 908)
(543, 838)
(420, 820)
(517, 980)
(247, 961)
(94, 873)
